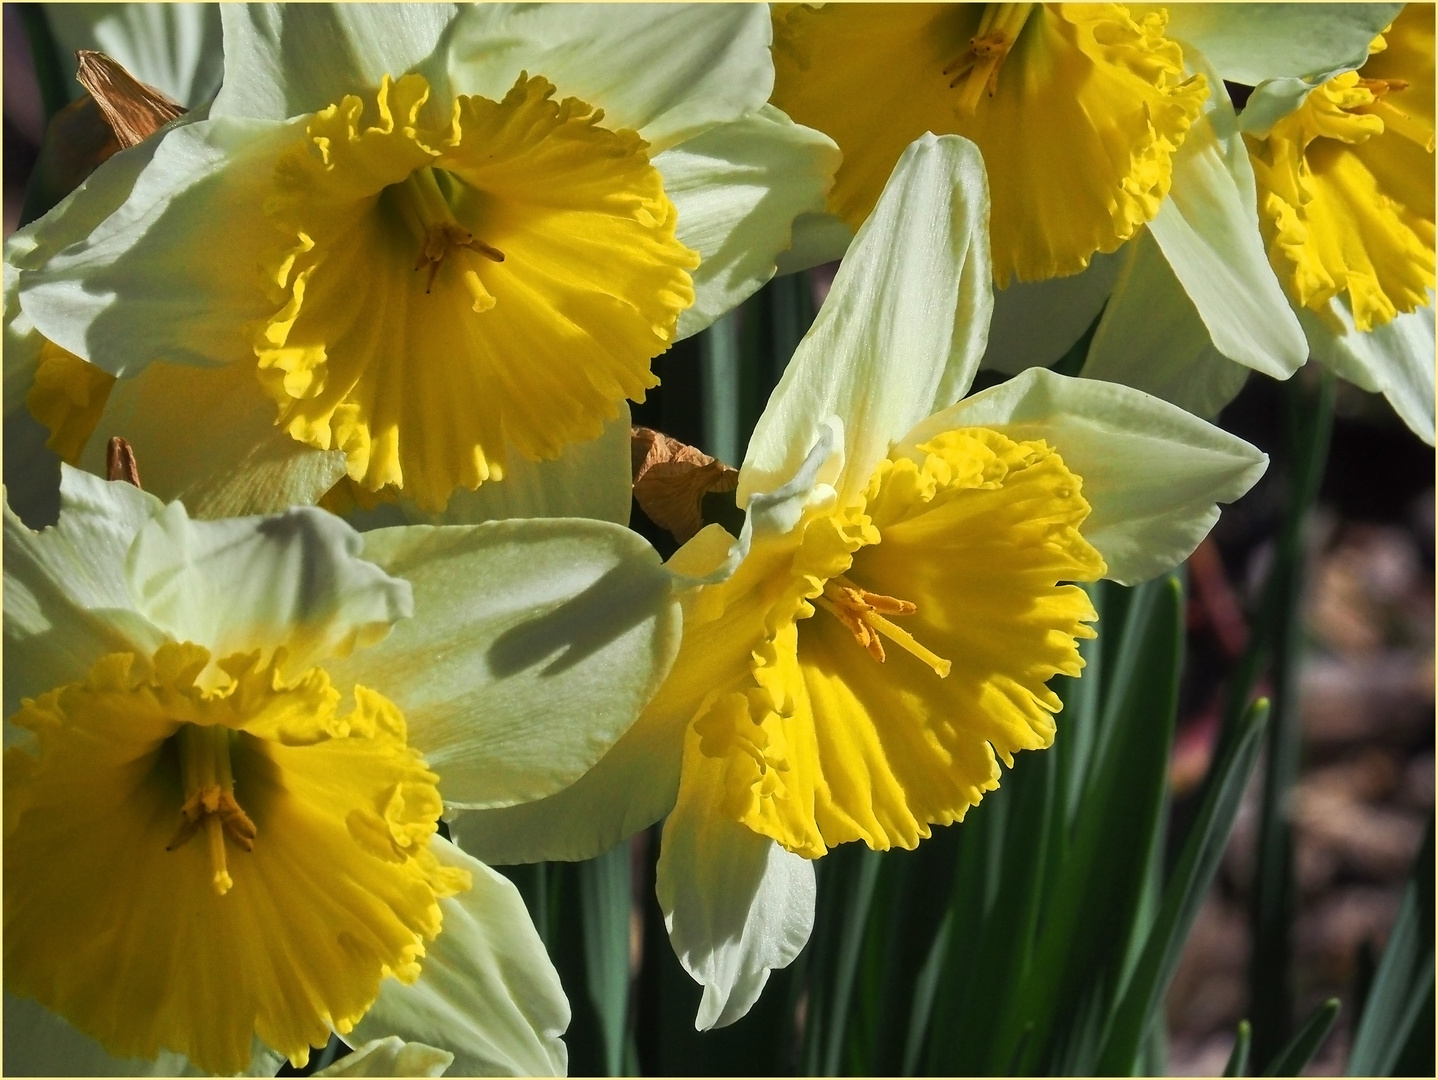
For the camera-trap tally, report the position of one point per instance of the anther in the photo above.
(862, 613)
(977, 68)
(426, 210)
(1379, 87)
(210, 800)
(440, 237)
(1397, 120)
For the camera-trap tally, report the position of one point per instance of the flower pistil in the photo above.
(977, 67)
(210, 798)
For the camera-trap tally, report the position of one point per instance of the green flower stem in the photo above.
(1310, 423)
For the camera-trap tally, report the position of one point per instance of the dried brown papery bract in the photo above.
(134, 110)
(671, 479)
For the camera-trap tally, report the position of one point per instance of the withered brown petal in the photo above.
(134, 110)
(671, 479)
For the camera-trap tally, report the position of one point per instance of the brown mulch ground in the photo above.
(1365, 793)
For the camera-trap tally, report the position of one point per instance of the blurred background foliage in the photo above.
(1225, 863)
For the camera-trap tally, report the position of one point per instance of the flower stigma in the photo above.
(427, 212)
(977, 68)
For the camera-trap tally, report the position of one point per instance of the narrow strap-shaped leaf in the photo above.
(1238, 1060)
(907, 919)
(924, 987)
(852, 937)
(977, 879)
(719, 360)
(1310, 423)
(604, 903)
(1008, 940)
(1202, 852)
(1299, 1050)
(1092, 906)
(1404, 979)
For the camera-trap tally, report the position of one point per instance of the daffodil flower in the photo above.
(229, 744)
(880, 636)
(1331, 255)
(1346, 196)
(428, 243)
(1190, 303)
(1100, 128)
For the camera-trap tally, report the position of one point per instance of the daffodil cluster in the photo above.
(405, 265)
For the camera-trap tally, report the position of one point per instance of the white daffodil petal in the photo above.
(736, 904)
(40, 1043)
(486, 990)
(1271, 101)
(629, 789)
(391, 1056)
(667, 71)
(818, 239)
(712, 555)
(534, 647)
(175, 48)
(79, 213)
(1275, 99)
(738, 188)
(588, 480)
(903, 328)
(175, 273)
(1395, 359)
(1152, 338)
(65, 599)
(305, 587)
(1036, 322)
(1152, 473)
(284, 60)
(1208, 230)
(207, 436)
(1249, 43)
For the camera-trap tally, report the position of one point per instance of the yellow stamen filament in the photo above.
(428, 213)
(210, 799)
(977, 68)
(862, 614)
(1394, 118)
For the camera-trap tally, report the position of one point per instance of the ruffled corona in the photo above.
(901, 647)
(1345, 182)
(188, 867)
(1077, 108)
(68, 396)
(500, 282)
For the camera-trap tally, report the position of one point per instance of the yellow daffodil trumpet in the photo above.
(246, 859)
(1345, 183)
(514, 271)
(1077, 109)
(968, 546)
